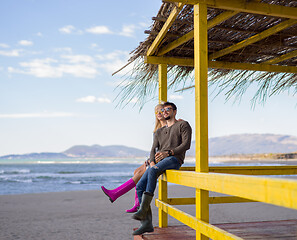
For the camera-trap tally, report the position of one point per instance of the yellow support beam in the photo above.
(207, 229)
(163, 217)
(222, 65)
(162, 71)
(252, 67)
(280, 192)
(190, 35)
(247, 6)
(266, 33)
(201, 109)
(170, 61)
(212, 200)
(251, 170)
(282, 58)
(164, 29)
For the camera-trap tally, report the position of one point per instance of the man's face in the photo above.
(168, 112)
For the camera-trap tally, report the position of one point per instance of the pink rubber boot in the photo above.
(119, 191)
(136, 205)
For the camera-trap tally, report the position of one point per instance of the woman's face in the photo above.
(159, 113)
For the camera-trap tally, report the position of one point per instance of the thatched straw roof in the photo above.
(143, 80)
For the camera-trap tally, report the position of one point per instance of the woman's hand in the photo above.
(160, 156)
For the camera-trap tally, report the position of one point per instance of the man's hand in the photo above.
(160, 156)
(152, 164)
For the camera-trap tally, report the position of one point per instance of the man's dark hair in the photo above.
(170, 104)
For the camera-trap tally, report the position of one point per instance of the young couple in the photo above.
(172, 138)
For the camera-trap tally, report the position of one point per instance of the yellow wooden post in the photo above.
(162, 82)
(201, 108)
(163, 216)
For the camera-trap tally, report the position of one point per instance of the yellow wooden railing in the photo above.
(226, 180)
(236, 182)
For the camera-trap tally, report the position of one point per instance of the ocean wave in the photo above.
(15, 171)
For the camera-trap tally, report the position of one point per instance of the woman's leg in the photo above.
(137, 175)
(119, 191)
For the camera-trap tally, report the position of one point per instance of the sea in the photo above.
(22, 176)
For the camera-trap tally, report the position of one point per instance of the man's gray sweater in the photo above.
(176, 137)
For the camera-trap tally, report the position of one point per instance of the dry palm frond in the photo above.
(143, 81)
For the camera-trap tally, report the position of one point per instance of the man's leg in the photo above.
(141, 185)
(155, 171)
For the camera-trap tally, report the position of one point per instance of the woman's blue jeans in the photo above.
(148, 181)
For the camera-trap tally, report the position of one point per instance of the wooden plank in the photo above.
(282, 57)
(201, 110)
(247, 6)
(266, 230)
(251, 170)
(200, 226)
(280, 192)
(162, 72)
(164, 29)
(222, 65)
(212, 200)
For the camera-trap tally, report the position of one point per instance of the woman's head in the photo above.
(158, 112)
(159, 116)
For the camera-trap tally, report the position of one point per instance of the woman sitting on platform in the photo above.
(131, 183)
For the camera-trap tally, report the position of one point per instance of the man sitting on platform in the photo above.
(168, 152)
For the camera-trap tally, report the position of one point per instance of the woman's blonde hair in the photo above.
(157, 122)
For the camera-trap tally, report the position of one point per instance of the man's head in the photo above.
(169, 110)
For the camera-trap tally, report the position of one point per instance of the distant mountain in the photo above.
(96, 151)
(249, 144)
(83, 151)
(219, 146)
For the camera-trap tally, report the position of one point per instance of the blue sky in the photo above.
(57, 57)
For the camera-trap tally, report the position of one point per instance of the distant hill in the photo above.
(249, 144)
(96, 151)
(83, 151)
(219, 146)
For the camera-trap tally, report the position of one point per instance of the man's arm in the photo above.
(186, 135)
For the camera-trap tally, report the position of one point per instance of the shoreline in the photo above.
(90, 215)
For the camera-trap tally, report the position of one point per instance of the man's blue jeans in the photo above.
(148, 181)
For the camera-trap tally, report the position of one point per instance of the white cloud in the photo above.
(93, 99)
(114, 61)
(99, 30)
(11, 53)
(67, 29)
(38, 115)
(39, 34)
(40, 68)
(128, 30)
(25, 43)
(103, 100)
(176, 97)
(87, 99)
(4, 45)
(65, 49)
(78, 70)
(77, 66)
(78, 58)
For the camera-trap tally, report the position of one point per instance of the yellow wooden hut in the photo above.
(233, 43)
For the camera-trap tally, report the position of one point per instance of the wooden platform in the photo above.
(286, 229)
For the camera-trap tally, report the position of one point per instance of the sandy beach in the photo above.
(89, 215)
